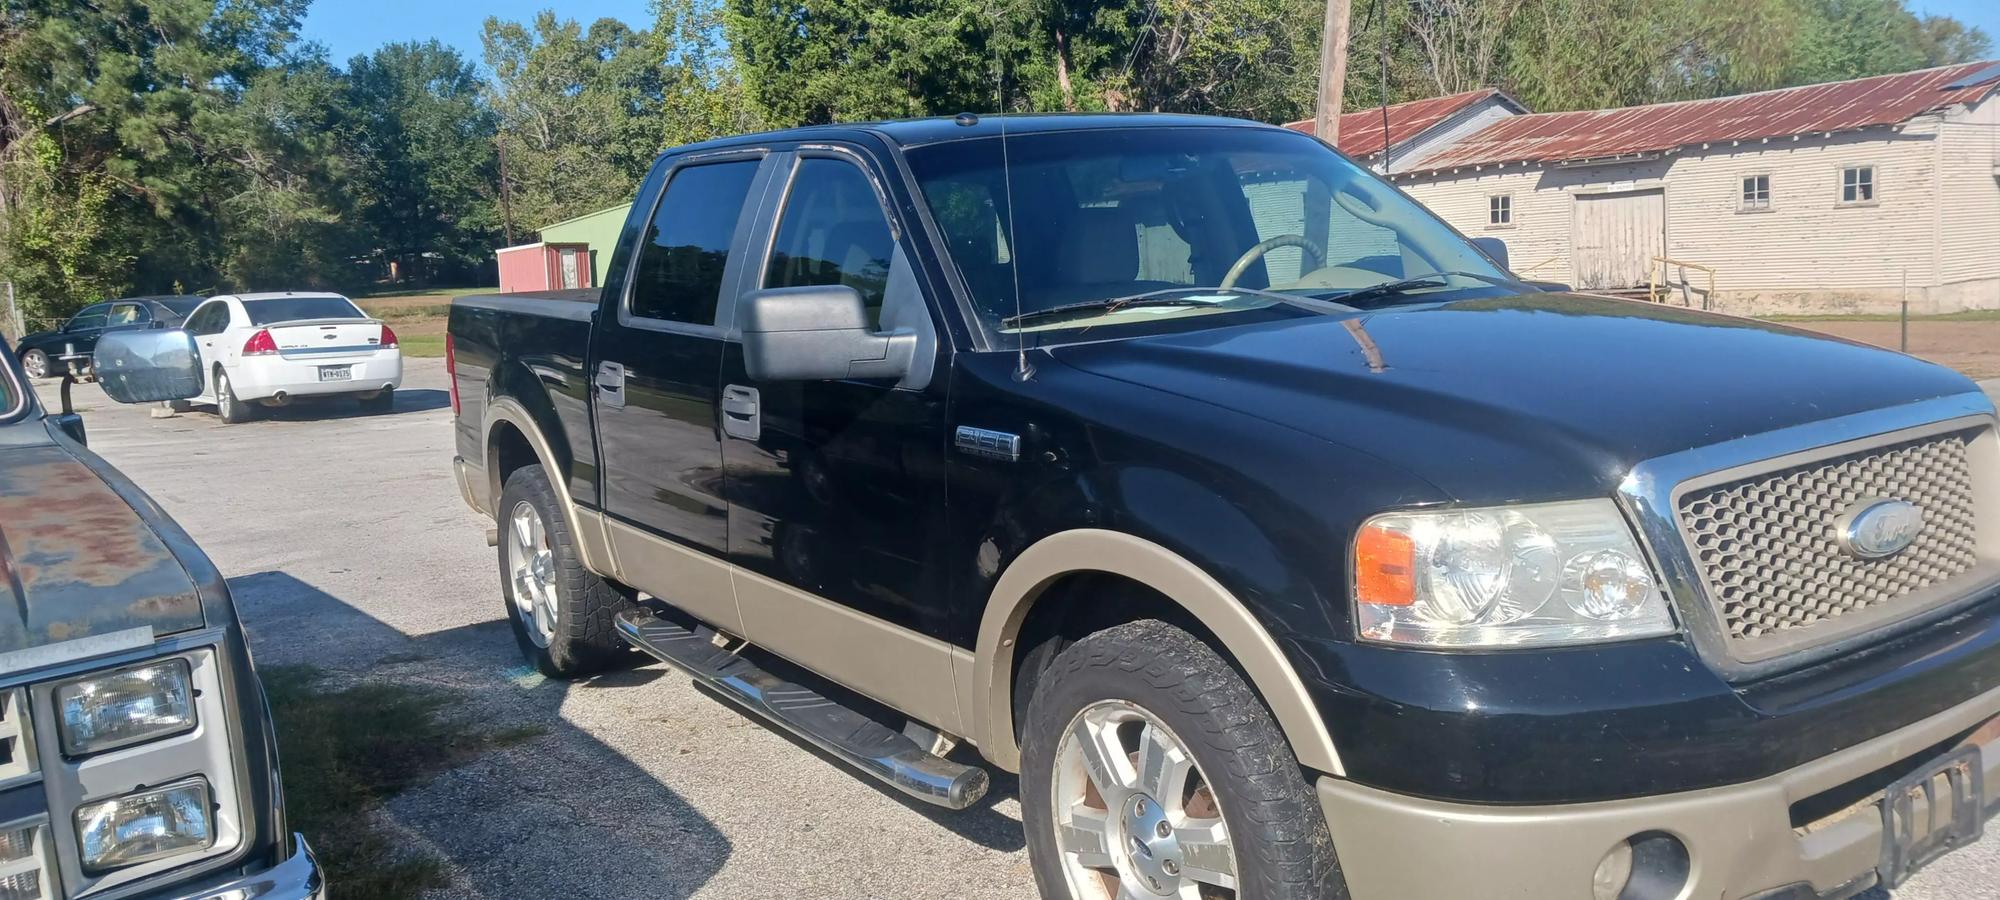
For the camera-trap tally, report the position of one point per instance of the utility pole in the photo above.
(1332, 71)
(506, 194)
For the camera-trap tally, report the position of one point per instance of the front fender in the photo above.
(1246, 639)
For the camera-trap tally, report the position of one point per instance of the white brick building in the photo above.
(1822, 198)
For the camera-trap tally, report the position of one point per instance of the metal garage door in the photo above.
(1616, 236)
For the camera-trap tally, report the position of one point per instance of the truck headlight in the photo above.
(124, 707)
(1531, 575)
(144, 826)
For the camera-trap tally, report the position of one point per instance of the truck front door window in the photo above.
(833, 232)
(679, 273)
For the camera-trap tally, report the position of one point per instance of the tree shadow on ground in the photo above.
(509, 821)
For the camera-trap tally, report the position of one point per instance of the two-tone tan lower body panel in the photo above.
(893, 665)
(1740, 839)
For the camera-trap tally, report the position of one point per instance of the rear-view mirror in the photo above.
(148, 365)
(818, 333)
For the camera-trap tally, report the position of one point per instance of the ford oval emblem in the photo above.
(1874, 527)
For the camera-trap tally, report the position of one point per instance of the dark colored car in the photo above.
(41, 353)
(1284, 542)
(137, 757)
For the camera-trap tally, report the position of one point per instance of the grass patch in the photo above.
(404, 311)
(1970, 315)
(346, 751)
(446, 293)
(421, 345)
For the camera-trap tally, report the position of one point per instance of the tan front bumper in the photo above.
(1740, 838)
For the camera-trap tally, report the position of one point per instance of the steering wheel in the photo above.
(1265, 246)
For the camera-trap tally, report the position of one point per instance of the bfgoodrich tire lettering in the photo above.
(1157, 679)
(581, 638)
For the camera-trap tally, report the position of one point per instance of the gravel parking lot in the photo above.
(348, 548)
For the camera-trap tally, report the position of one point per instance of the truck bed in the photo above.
(532, 349)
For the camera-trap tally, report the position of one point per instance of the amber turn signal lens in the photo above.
(1385, 567)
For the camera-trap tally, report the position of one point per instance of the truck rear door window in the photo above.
(678, 277)
(833, 231)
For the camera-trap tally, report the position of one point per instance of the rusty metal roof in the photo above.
(1818, 108)
(1361, 130)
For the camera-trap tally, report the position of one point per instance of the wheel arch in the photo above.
(509, 426)
(1094, 550)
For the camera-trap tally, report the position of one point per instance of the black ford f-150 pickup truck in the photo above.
(137, 756)
(1283, 541)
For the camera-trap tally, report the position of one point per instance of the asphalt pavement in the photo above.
(347, 547)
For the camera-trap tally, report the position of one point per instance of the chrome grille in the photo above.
(24, 859)
(1766, 546)
(17, 746)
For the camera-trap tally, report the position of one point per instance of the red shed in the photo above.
(544, 267)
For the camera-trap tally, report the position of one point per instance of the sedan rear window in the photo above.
(293, 309)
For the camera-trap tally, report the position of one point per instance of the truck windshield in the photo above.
(293, 309)
(1141, 230)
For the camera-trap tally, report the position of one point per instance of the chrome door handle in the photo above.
(610, 383)
(741, 415)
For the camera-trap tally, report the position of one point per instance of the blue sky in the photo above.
(351, 27)
(1983, 13)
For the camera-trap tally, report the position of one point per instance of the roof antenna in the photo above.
(1382, 52)
(1022, 371)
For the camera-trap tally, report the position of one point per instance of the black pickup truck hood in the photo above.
(1535, 396)
(77, 560)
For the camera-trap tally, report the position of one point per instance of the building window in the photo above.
(1500, 210)
(1756, 192)
(1857, 184)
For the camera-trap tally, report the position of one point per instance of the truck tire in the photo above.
(1168, 717)
(232, 410)
(561, 612)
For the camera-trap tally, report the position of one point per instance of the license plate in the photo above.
(1931, 812)
(336, 373)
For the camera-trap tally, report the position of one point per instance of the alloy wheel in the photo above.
(1134, 817)
(532, 566)
(35, 363)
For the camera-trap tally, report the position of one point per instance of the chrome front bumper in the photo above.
(1740, 838)
(298, 878)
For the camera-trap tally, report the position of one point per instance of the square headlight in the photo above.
(126, 706)
(145, 826)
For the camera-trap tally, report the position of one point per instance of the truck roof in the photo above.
(939, 129)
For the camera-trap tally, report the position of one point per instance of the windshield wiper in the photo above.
(1110, 304)
(1406, 285)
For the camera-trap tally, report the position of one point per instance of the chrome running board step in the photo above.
(861, 741)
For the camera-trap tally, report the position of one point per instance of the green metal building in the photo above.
(598, 230)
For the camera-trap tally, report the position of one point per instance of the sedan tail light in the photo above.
(260, 344)
(388, 337)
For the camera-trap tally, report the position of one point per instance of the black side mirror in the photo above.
(1494, 248)
(71, 426)
(818, 333)
(148, 366)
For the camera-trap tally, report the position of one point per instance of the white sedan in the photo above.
(271, 349)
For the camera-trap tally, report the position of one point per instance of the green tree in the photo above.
(294, 220)
(579, 112)
(426, 159)
(113, 173)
